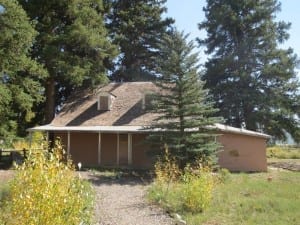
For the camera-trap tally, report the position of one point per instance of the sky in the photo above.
(188, 14)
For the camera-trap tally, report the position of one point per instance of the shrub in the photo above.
(198, 187)
(223, 175)
(47, 191)
(166, 168)
(283, 152)
(34, 143)
(189, 190)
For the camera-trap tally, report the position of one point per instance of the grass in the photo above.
(283, 152)
(244, 199)
(3, 191)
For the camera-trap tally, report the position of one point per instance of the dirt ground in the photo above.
(288, 164)
(5, 175)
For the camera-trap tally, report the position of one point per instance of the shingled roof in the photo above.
(80, 112)
(127, 107)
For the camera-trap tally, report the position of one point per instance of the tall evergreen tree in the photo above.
(72, 44)
(184, 106)
(20, 88)
(136, 27)
(252, 79)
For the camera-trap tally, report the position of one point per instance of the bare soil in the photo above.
(288, 164)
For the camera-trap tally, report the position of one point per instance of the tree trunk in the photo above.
(50, 100)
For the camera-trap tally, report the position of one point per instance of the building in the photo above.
(106, 127)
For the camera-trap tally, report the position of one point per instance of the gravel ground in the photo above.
(5, 176)
(123, 202)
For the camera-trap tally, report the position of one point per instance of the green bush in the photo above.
(223, 175)
(46, 190)
(281, 152)
(190, 192)
(197, 190)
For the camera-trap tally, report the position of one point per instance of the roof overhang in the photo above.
(234, 130)
(107, 129)
(139, 129)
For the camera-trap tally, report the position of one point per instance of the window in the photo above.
(148, 101)
(105, 101)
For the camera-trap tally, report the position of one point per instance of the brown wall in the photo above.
(123, 149)
(239, 152)
(141, 157)
(108, 149)
(242, 153)
(84, 148)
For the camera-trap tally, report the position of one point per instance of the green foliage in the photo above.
(137, 28)
(191, 191)
(32, 142)
(264, 198)
(72, 44)
(281, 152)
(20, 89)
(46, 190)
(166, 169)
(253, 81)
(4, 192)
(198, 188)
(223, 175)
(185, 110)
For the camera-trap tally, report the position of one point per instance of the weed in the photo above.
(281, 152)
(46, 190)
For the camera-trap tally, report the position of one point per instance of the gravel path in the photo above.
(122, 202)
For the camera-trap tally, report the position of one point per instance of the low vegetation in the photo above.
(46, 190)
(179, 191)
(283, 152)
(267, 198)
(203, 197)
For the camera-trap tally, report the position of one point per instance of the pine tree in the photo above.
(137, 27)
(20, 88)
(72, 44)
(253, 81)
(184, 106)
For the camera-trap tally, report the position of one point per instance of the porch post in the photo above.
(47, 136)
(129, 149)
(68, 144)
(99, 147)
(118, 149)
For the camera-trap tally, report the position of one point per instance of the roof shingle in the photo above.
(127, 110)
